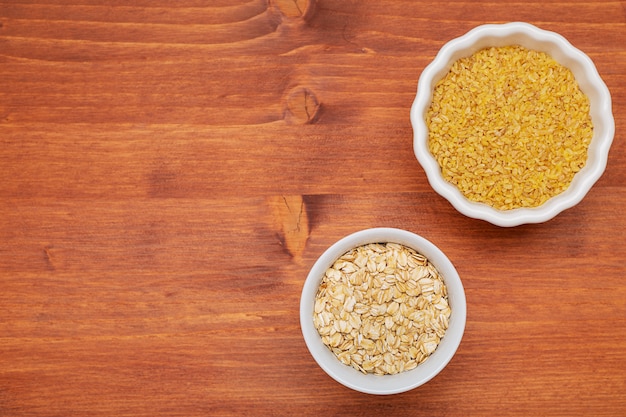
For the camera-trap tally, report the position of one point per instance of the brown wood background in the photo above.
(170, 170)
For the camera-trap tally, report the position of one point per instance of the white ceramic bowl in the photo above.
(563, 52)
(384, 384)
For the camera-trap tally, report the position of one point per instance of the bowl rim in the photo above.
(501, 35)
(386, 384)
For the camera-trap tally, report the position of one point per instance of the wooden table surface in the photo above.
(171, 170)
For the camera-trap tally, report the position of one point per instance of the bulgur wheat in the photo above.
(509, 127)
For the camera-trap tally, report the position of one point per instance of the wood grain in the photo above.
(169, 172)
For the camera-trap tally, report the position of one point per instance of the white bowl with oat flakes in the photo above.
(383, 311)
(512, 124)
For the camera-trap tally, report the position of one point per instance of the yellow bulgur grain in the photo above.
(509, 127)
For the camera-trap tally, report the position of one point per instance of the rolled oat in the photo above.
(382, 308)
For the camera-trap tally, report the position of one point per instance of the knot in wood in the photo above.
(297, 9)
(301, 107)
(291, 222)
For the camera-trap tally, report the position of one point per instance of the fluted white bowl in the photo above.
(590, 82)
